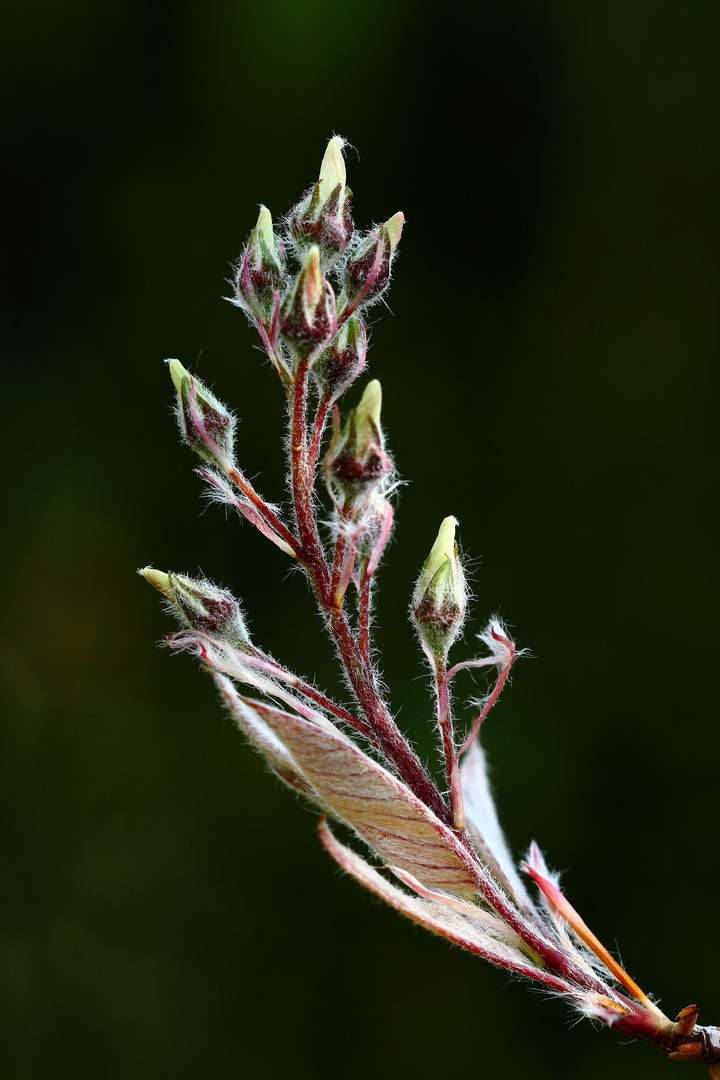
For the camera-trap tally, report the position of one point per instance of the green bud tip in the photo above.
(177, 373)
(332, 170)
(350, 336)
(156, 578)
(312, 279)
(394, 226)
(443, 549)
(264, 226)
(264, 233)
(370, 405)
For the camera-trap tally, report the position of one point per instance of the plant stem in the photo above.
(265, 511)
(389, 739)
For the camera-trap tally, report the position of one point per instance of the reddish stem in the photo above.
(447, 737)
(317, 434)
(339, 558)
(389, 739)
(364, 615)
(312, 694)
(502, 678)
(265, 511)
(343, 570)
(302, 489)
(371, 566)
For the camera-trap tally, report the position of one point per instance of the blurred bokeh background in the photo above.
(550, 368)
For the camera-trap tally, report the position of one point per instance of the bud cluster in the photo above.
(296, 312)
(444, 845)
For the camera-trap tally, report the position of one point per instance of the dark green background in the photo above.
(550, 371)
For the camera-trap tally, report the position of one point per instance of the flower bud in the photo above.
(307, 321)
(440, 598)
(323, 217)
(261, 271)
(205, 423)
(356, 463)
(367, 272)
(340, 365)
(201, 606)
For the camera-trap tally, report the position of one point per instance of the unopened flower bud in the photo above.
(323, 217)
(205, 423)
(440, 597)
(356, 462)
(307, 321)
(340, 365)
(367, 272)
(201, 606)
(261, 270)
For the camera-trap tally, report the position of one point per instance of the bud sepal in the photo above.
(356, 463)
(367, 271)
(261, 271)
(201, 606)
(323, 217)
(339, 367)
(308, 320)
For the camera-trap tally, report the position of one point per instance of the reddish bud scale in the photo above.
(372, 268)
(324, 226)
(258, 273)
(356, 467)
(308, 320)
(305, 335)
(357, 473)
(339, 367)
(367, 272)
(215, 424)
(208, 609)
(218, 611)
(441, 616)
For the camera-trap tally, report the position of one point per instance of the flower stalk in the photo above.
(438, 853)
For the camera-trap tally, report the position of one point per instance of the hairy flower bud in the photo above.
(201, 606)
(261, 271)
(307, 321)
(356, 463)
(205, 423)
(323, 217)
(340, 365)
(439, 601)
(367, 271)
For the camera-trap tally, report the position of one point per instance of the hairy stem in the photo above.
(389, 739)
(317, 432)
(302, 489)
(264, 510)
